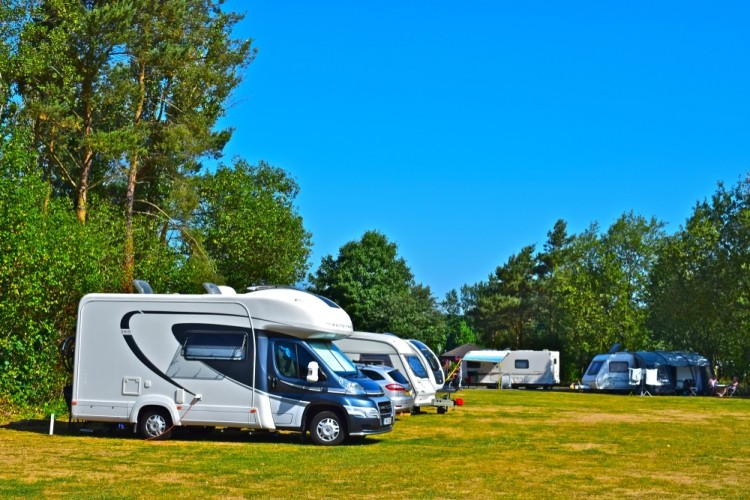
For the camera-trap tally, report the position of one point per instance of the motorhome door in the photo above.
(287, 385)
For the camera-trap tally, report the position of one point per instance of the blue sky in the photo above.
(463, 130)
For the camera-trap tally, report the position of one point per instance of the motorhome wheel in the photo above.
(327, 429)
(154, 424)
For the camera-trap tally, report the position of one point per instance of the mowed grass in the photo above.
(525, 444)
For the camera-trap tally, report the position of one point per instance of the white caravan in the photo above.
(433, 363)
(258, 360)
(390, 350)
(611, 372)
(506, 369)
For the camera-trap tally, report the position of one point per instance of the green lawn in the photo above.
(533, 444)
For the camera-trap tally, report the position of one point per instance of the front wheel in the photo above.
(155, 424)
(327, 429)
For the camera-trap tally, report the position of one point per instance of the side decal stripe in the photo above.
(143, 359)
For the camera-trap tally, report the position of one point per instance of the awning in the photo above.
(485, 356)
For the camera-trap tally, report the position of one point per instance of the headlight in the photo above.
(360, 412)
(352, 388)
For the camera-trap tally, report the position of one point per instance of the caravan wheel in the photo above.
(327, 428)
(154, 423)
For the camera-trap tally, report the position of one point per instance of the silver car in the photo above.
(395, 386)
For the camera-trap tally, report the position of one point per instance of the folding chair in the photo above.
(732, 390)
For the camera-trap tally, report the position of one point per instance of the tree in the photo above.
(504, 308)
(124, 95)
(627, 252)
(250, 227)
(376, 287)
(701, 283)
(458, 331)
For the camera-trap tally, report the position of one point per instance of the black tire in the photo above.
(441, 410)
(155, 424)
(416, 409)
(327, 429)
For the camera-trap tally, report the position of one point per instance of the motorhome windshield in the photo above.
(416, 366)
(333, 357)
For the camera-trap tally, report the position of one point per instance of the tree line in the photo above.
(111, 168)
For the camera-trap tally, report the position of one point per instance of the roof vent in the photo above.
(142, 286)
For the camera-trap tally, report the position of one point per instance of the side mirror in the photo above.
(313, 371)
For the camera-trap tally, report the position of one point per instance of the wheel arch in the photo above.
(315, 408)
(156, 402)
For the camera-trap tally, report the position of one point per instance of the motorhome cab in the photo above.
(258, 360)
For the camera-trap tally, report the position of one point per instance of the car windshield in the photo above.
(333, 357)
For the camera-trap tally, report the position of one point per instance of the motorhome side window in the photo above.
(291, 359)
(522, 364)
(207, 345)
(618, 367)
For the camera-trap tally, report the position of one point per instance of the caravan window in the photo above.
(522, 364)
(416, 366)
(594, 368)
(208, 346)
(618, 367)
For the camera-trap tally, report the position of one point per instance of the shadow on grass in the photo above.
(125, 431)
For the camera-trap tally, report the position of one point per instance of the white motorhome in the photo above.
(512, 369)
(258, 360)
(390, 350)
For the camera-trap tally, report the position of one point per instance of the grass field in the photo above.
(517, 443)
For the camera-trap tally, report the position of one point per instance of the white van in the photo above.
(258, 360)
(390, 350)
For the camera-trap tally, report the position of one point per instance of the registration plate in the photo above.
(387, 420)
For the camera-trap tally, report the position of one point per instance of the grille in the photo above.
(386, 409)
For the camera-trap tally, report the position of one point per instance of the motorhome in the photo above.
(512, 369)
(390, 350)
(655, 372)
(262, 360)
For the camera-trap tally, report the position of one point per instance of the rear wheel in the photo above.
(155, 424)
(327, 429)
